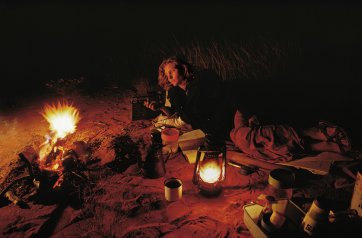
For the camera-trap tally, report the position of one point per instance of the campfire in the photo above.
(63, 119)
(54, 158)
(55, 169)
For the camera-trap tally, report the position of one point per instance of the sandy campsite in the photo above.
(117, 199)
(123, 204)
(81, 155)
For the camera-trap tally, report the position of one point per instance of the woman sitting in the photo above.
(198, 97)
(201, 99)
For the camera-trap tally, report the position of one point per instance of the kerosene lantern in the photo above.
(210, 169)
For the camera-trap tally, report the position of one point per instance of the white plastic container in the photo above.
(252, 212)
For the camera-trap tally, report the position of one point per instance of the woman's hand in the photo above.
(154, 106)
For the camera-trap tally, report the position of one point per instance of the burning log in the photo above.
(49, 185)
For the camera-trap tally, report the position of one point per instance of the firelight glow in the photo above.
(210, 172)
(62, 118)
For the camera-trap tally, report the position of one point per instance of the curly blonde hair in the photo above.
(182, 66)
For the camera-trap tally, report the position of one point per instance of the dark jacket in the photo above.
(205, 105)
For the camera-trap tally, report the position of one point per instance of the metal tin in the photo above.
(173, 189)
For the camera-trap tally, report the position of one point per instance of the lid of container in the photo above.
(281, 178)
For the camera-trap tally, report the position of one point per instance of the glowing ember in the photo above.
(62, 118)
(210, 172)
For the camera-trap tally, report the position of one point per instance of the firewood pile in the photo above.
(29, 182)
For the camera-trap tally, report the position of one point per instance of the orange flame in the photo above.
(62, 118)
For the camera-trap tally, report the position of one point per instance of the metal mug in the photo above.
(173, 189)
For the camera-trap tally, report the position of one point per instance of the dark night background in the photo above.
(98, 41)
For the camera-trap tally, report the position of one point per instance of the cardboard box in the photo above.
(252, 212)
(189, 143)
